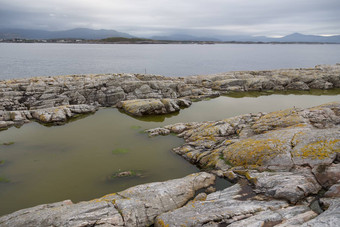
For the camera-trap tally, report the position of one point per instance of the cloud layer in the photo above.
(198, 17)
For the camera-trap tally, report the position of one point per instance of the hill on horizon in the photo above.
(91, 34)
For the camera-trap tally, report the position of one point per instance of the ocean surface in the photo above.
(28, 60)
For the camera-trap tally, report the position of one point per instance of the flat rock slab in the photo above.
(141, 107)
(224, 208)
(136, 206)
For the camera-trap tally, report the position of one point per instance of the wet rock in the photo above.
(136, 206)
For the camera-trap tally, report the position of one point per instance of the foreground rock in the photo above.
(25, 95)
(289, 156)
(152, 106)
(136, 206)
(280, 140)
(227, 208)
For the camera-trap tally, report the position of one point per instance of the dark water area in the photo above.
(19, 60)
(79, 160)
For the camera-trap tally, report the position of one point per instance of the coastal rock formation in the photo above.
(142, 107)
(136, 206)
(279, 140)
(288, 155)
(104, 90)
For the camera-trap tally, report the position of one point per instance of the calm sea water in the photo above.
(27, 60)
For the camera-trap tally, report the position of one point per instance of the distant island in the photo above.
(85, 35)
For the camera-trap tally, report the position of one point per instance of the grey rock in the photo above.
(221, 207)
(291, 186)
(333, 191)
(136, 206)
(141, 107)
(327, 175)
(331, 217)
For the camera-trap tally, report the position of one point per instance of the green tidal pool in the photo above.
(82, 160)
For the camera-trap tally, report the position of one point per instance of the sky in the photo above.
(272, 18)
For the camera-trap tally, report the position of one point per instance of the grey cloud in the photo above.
(261, 17)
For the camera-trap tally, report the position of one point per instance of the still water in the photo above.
(27, 60)
(76, 161)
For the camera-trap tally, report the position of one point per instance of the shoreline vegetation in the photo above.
(123, 40)
(285, 164)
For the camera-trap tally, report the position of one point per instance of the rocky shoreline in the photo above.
(57, 99)
(285, 164)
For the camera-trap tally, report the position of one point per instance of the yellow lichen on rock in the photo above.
(279, 119)
(318, 150)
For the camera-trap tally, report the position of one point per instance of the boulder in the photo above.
(141, 107)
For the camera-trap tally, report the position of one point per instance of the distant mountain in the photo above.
(184, 37)
(77, 33)
(295, 37)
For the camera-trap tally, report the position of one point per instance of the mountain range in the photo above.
(90, 34)
(77, 33)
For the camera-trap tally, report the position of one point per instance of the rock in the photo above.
(136, 206)
(291, 186)
(60, 114)
(219, 208)
(334, 190)
(282, 217)
(141, 107)
(327, 175)
(274, 141)
(299, 85)
(316, 147)
(109, 89)
(331, 217)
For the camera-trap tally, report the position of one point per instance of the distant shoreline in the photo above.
(146, 41)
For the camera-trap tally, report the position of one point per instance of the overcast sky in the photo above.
(156, 17)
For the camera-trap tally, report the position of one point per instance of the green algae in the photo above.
(120, 151)
(4, 180)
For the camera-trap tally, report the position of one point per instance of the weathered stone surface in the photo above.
(334, 190)
(282, 217)
(327, 175)
(221, 207)
(291, 186)
(331, 217)
(141, 107)
(275, 141)
(136, 206)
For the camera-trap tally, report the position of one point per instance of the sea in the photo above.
(20, 60)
